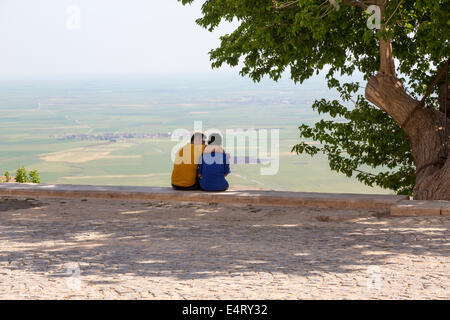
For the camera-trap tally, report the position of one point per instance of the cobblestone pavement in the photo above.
(114, 249)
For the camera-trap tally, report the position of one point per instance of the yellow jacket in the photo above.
(185, 167)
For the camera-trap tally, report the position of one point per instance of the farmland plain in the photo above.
(116, 130)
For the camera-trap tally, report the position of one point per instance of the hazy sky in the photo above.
(114, 36)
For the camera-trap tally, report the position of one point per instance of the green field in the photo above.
(54, 125)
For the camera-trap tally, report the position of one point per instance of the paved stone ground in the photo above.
(114, 249)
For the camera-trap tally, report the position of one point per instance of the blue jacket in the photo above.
(213, 167)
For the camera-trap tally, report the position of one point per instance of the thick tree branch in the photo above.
(387, 65)
(387, 92)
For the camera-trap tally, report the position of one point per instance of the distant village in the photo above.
(112, 137)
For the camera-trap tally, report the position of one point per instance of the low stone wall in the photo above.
(421, 208)
(276, 198)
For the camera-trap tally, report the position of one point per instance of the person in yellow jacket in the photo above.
(184, 174)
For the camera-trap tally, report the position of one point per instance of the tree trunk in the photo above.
(423, 126)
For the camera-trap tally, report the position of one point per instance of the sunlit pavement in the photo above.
(115, 249)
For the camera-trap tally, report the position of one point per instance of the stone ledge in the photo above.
(445, 208)
(421, 208)
(278, 198)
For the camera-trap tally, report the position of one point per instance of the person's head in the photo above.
(215, 139)
(198, 138)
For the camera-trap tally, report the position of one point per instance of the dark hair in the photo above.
(197, 134)
(215, 139)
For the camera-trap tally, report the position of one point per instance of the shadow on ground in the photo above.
(8, 204)
(192, 241)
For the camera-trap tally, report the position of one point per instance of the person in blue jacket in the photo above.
(214, 165)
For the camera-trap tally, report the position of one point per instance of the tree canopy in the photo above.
(303, 37)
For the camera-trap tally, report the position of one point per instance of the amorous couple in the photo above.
(200, 166)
